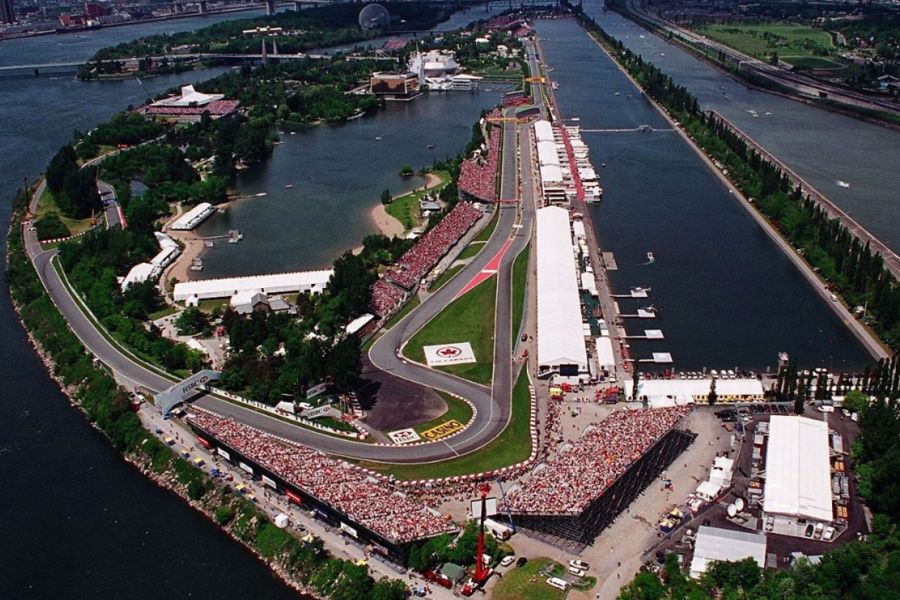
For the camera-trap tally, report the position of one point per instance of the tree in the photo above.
(712, 396)
(855, 401)
(386, 197)
(636, 379)
(406, 171)
(191, 321)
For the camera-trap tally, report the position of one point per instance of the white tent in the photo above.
(560, 335)
(798, 472)
(714, 544)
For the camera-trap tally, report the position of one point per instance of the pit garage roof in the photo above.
(543, 131)
(547, 154)
(560, 335)
(714, 543)
(798, 473)
(277, 283)
(551, 174)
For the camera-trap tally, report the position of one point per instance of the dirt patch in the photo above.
(395, 403)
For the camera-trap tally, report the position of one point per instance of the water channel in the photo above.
(725, 295)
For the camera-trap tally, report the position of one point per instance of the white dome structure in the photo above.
(374, 16)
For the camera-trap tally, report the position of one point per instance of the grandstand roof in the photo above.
(714, 543)
(798, 473)
(276, 283)
(560, 335)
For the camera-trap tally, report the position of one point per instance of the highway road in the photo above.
(493, 405)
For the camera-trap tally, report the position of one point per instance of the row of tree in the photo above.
(74, 189)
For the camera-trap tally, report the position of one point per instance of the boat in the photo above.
(430, 146)
(261, 194)
(377, 138)
(209, 244)
(288, 186)
(650, 257)
(555, 85)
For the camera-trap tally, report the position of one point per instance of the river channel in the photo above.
(725, 296)
(854, 163)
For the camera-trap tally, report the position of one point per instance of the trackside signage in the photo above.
(449, 354)
(403, 436)
(443, 430)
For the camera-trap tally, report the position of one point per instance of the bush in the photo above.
(51, 227)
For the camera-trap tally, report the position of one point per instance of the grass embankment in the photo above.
(519, 280)
(527, 583)
(762, 40)
(445, 277)
(47, 207)
(405, 208)
(488, 231)
(510, 447)
(457, 410)
(410, 304)
(466, 319)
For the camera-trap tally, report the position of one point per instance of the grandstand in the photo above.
(578, 493)
(367, 509)
(478, 173)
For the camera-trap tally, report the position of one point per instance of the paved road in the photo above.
(493, 407)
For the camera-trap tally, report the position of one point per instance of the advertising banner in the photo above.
(449, 354)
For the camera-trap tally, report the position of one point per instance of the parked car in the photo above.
(579, 564)
(507, 560)
(522, 561)
(575, 572)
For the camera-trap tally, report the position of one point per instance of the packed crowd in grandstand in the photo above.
(216, 108)
(428, 250)
(386, 298)
(577, 475)
(374, 504)
(478, 174)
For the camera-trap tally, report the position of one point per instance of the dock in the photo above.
(649, 334)
(609, 261)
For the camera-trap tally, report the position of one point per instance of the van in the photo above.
(560, 584)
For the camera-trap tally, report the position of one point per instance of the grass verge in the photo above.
(510, 447)
(527, 583)
(466, 319)
(471, 250)
(47, 206)
(445, 277)
(488, 231)
(519, 279)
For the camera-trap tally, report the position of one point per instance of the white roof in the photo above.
(560, 336)
(137, 274)
(551, 174)
(358, 323)
(193, 217)
(714, 543)
(276, 283)
(689, 390)
(188, 97)
(543, 131)
(798, 474)
(709, 489)
(605, 356)
(248, 297)
(588, 283)
(578, 229)
(547, 154)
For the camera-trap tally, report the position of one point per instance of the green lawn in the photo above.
(509, 448)
(466, 319)
(457, 409)
(163, 312)
(47, 206)
(527, 583)
(486, 233)
(445, 277)
(211, 304)
(763, 39)
(406, 208)
(519, 278)
(471, 250)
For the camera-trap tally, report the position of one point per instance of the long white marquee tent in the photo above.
(276, 283)
(560, 334)
(798, 472)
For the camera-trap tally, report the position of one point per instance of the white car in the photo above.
(576, 572)
(507, 560)
(579, 564)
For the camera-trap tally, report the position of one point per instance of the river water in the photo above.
(726, 296)
(78, 522)
(827, 149)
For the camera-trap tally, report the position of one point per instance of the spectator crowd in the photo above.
(478, 174)
(369, 502)
(388, 293)
(583, 472)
